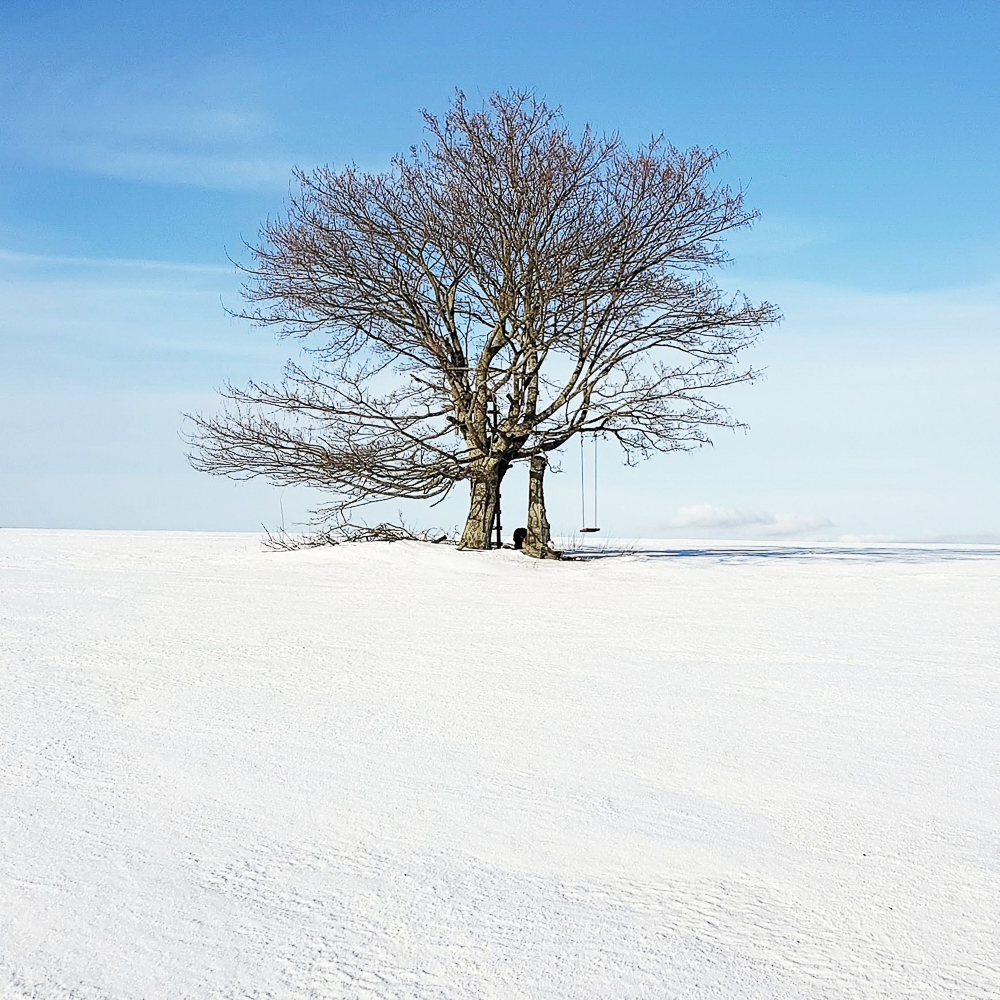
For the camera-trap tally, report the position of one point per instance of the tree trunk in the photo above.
(484, 491)
(537, 544)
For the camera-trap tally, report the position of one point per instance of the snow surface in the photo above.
(402, 771)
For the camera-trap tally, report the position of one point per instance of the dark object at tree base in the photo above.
(520, 534)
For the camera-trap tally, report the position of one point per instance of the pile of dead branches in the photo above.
(281, 540)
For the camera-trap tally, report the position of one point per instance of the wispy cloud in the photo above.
(37, 260)
(193, 125)
(883, 319)
(123, 323)
(776, 234)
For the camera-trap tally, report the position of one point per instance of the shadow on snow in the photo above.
(755, 553)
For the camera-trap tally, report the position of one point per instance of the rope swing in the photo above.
(583, 490)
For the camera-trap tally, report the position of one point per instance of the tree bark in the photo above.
(484, 489)
(537, 544)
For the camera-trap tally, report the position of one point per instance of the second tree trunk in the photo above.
(537, 544)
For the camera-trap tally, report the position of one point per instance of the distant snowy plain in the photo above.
(402, 771)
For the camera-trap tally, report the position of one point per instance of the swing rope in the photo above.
(584, 527)
(597, 520)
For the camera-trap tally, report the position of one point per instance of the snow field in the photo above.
(401, 771)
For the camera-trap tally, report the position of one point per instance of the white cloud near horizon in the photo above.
(762, 523)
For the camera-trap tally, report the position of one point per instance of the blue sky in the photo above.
(142, 141)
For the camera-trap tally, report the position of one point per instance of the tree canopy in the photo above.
(503, 287)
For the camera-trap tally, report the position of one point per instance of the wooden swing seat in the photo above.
(584, 531)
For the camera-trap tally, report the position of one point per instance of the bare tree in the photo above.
(501, 289)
